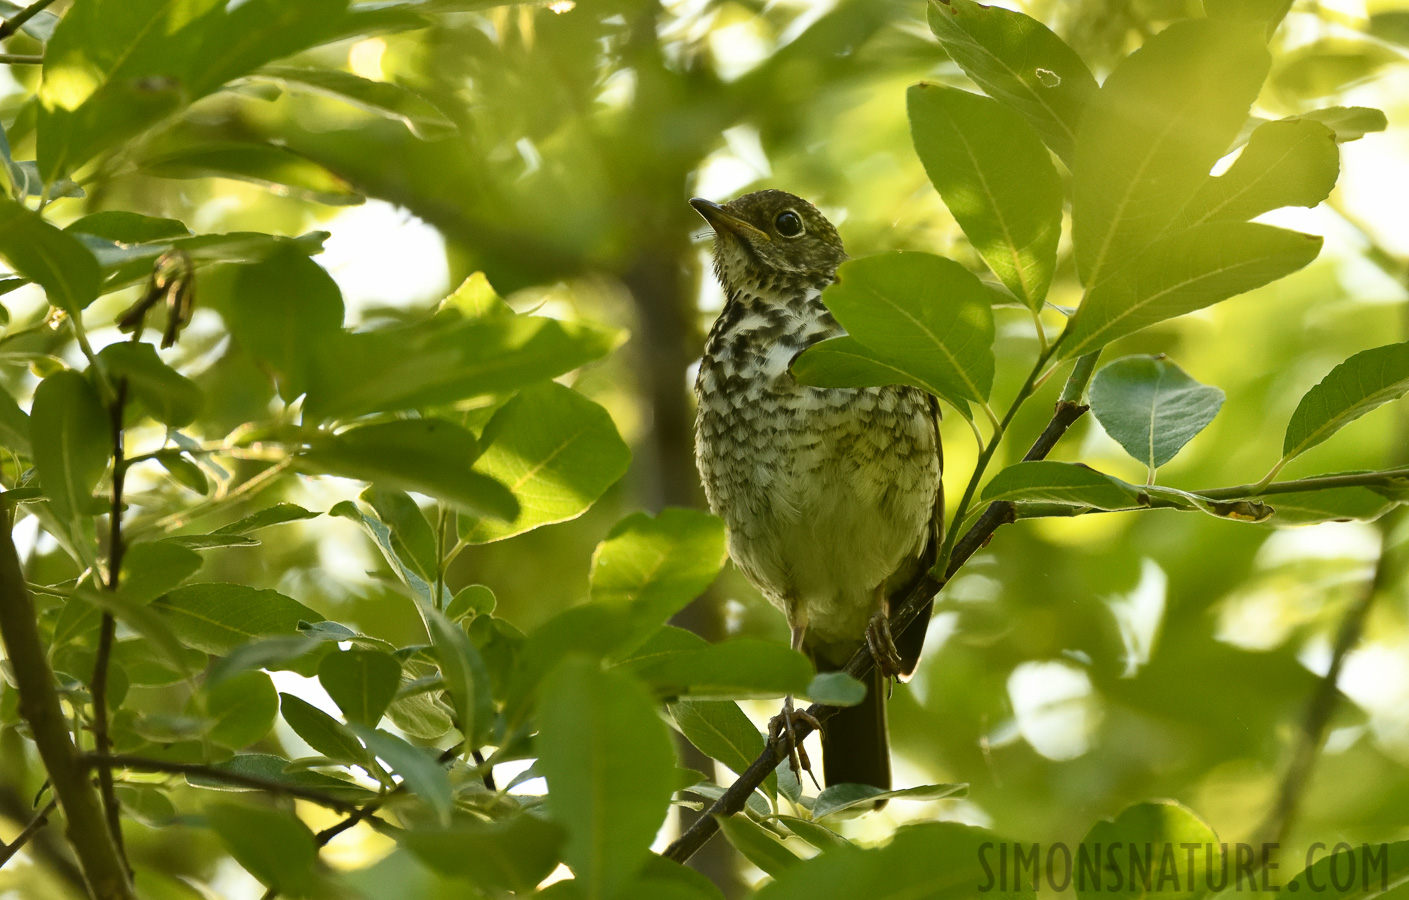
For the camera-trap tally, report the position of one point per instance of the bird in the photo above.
(831, 496)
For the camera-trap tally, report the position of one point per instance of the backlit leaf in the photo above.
(1369, 379)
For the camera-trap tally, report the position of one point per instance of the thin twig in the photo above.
(920, 594)
(21, 59)
(87, 829)
(107, 631)
(15, 22)
(240, 779)
(30, 830)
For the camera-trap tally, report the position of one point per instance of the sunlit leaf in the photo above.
(218, 618)
(465, 675)
(1151, 134)
(1291, 162)
(1366, 381)
(168, 396)
(151, 568)
(1159, 826)
(556, 451)
(1070, 484)
(1350, 123)
(925, 317)
(321, 731)
(1185, 271)
(1018, 61)
(997, 179)
(1151, 406)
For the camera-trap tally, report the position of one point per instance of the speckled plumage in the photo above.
(826, 492)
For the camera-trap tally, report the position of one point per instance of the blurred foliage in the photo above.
(497, 577)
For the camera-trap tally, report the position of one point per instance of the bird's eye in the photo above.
(788, 223)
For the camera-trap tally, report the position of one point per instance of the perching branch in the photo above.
(87, 829)
(921, 593)
(39, 821)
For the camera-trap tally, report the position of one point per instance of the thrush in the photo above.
(829, 494)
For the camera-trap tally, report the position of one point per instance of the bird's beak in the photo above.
(721, 220)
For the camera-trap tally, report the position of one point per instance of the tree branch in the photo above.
(87, 829)
(1068, 410)
(239, 779)
(39, 821)
(20, 59)
(14, 23)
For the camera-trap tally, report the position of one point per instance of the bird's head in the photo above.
(771, 242)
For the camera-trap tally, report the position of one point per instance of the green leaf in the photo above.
(511, 854)
(466, 678)
(55, 261)
(840, 798)
(1366, 381)
(218, 618)
(284, 308)
(1291, 162)
(277, 514)
(14, 425)
(835, 689)
(819, 836)
(1160, 828)
(243, 707)
(1332, 505)
(418, 768)
(720, 730)
(391, 101)
(114, 68)
(432, 456)
(757, 844)
(1149, 137)
(997, 179)
(361, 682)
(169, 397)
(381, 534)
(40, 27)
(936, 861)
(1374, 870)
(122, 227)
(654, 566)
(184, 471)
(733, 670)
(1019, 62)
(69, 434)
(1182, 272)
(421, 716)
(321, 731)
(1070, 484)
(275, 768)
(1350, 123)
(556, 450)
(475, 298)
(277, 168)
(471, 601)
(151, 568)
(1151, 406)
(272, 845)
(610, 768)
(124, 266)
(446, 360)
(412, 539)
(925, 316)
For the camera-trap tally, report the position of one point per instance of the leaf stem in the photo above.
(39, 821)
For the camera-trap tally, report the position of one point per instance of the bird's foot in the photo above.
(781, 728)
(882, 645)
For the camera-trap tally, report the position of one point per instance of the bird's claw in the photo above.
(882, 646)
(781, 729)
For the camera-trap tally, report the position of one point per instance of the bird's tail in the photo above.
(855, 745)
